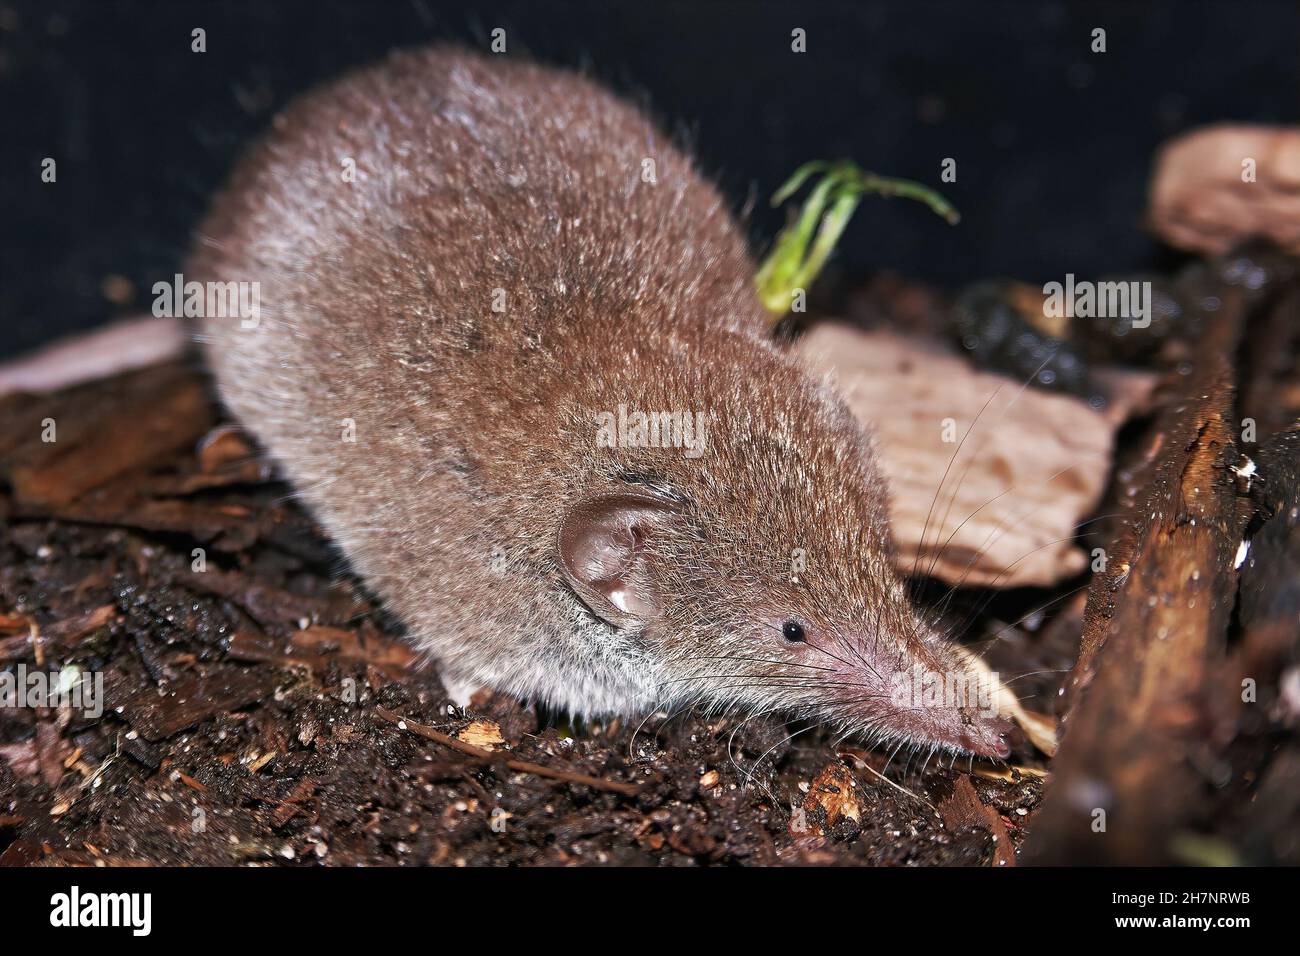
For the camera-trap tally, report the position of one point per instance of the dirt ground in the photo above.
(258, 708)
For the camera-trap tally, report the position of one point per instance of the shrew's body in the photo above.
(466, 265)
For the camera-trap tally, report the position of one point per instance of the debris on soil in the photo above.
(833, 797)
(483, 734)
(485, 755)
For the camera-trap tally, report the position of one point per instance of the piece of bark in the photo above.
(268, 605)
(182, 704)
(1215, 186)
(51, 750)
(1010, 494)
(1261, 676)
(1270, 379)
(251, 472)
(963, 808)
(232, 526)
(254, 647)
(223, 446)
(1269, 606)
(68, 632)
(15, 648)
(1126, 779)
(390, 655)
(483, 734)
(153, 414)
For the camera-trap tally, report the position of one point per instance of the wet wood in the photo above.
(1270, 375)
(1263, 671)
(1156, 693)
(315, 647)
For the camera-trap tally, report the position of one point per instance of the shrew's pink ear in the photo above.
(602, 549)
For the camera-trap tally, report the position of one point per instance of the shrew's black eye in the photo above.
(792, 631)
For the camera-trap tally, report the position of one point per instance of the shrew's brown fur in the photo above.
(518, 253)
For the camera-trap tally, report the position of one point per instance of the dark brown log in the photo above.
(1127, 779)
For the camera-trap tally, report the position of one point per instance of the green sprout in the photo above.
(792, 265)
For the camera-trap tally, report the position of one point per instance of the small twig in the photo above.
(190, 782)
(521, 766)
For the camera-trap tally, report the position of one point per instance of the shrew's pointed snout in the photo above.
(987, 737)
(953, 707)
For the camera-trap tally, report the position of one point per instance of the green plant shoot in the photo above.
(802, 248)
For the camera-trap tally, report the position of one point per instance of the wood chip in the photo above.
(482, 733)
(186, 701)
(167, 409)
(224, 445)
(835, 793)
(965, 809)
(70, 631)
(191, 782)
(261, 761)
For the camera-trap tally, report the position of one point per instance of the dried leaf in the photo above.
(999, 508)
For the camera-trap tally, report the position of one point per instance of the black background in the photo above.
(1053, 142)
